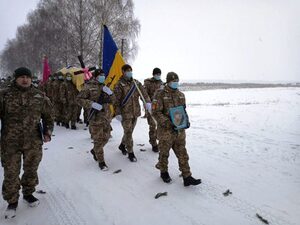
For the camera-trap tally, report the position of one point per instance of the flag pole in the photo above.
(144, 101)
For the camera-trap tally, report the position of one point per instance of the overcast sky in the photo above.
(205, 39)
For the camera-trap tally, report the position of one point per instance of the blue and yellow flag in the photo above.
(112, 60)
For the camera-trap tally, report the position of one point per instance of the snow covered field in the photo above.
(245, 140)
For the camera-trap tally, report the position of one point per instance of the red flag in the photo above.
(46, 70)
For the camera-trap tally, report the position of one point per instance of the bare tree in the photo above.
(63, 29)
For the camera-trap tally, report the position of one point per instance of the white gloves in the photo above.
(149, 107)
(119, 117)
(107, 90)
(96, 106)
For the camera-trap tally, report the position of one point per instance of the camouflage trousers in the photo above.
(86, 113)
(128, 127)
(100, 133)
(12, 165)
(59, 111)
(152, 131)
(176, 141)
(71, 114)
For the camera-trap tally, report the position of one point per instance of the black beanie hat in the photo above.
(22, 71)
(126, 67)
(156, 71)
(97, 72)
(172, 76)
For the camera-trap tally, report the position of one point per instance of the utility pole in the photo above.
(101, 48)
(122, 46)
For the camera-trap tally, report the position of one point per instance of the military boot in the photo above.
(132, 157)
(31, 200)
(123, 149)
(103, 166)
(191, 181)
(67, 125)
(73, 127)
(154, 148)
(10, 211)
(165, 177)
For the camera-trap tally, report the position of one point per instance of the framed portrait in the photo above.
(179, 117)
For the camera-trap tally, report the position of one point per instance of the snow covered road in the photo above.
(245, 140)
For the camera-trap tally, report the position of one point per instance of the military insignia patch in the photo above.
(179, 117)
(154, 105)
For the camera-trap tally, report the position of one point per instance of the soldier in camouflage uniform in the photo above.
(151, 86)
(48, 87)
(127, 108)
(87, 110)
(57, 102)
(168, 137)
(97, 97)
(68, 93)
(21, 108)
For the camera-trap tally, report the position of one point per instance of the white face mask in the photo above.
(173, 85)
(157, 76)
(101, 79)
(69, 78)
(128, 74)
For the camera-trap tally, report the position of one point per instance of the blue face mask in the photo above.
(128, 74)
(173, 85)
(60, 77)
(101, 79)
(156, 77)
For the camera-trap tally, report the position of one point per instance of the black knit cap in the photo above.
(126, 67)
(156, 71)
(22, 71)
(171, 76)
(97, 72)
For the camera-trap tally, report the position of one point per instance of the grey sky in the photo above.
(13, 14)
(211, 39)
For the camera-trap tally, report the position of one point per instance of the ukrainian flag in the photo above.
(112, 59)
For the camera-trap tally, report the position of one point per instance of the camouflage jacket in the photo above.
(151, 86)
(56, 88)
(132, 108)
(164, 100)
(21, 111)
(90, 94)
(68, 93)
(49, 89)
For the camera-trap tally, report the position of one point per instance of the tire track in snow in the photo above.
(248, 210)
(61, 206)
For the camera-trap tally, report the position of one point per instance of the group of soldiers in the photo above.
(62, 93)
(27, 120)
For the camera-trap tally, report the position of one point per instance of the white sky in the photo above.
(13, 14)
(205, 39)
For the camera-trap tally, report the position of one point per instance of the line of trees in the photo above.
(63, 29)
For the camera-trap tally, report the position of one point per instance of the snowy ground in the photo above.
(245, 140)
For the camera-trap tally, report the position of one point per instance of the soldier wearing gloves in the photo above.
(152, 85)
(127, 107)
(97, 97)
(169, 110)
